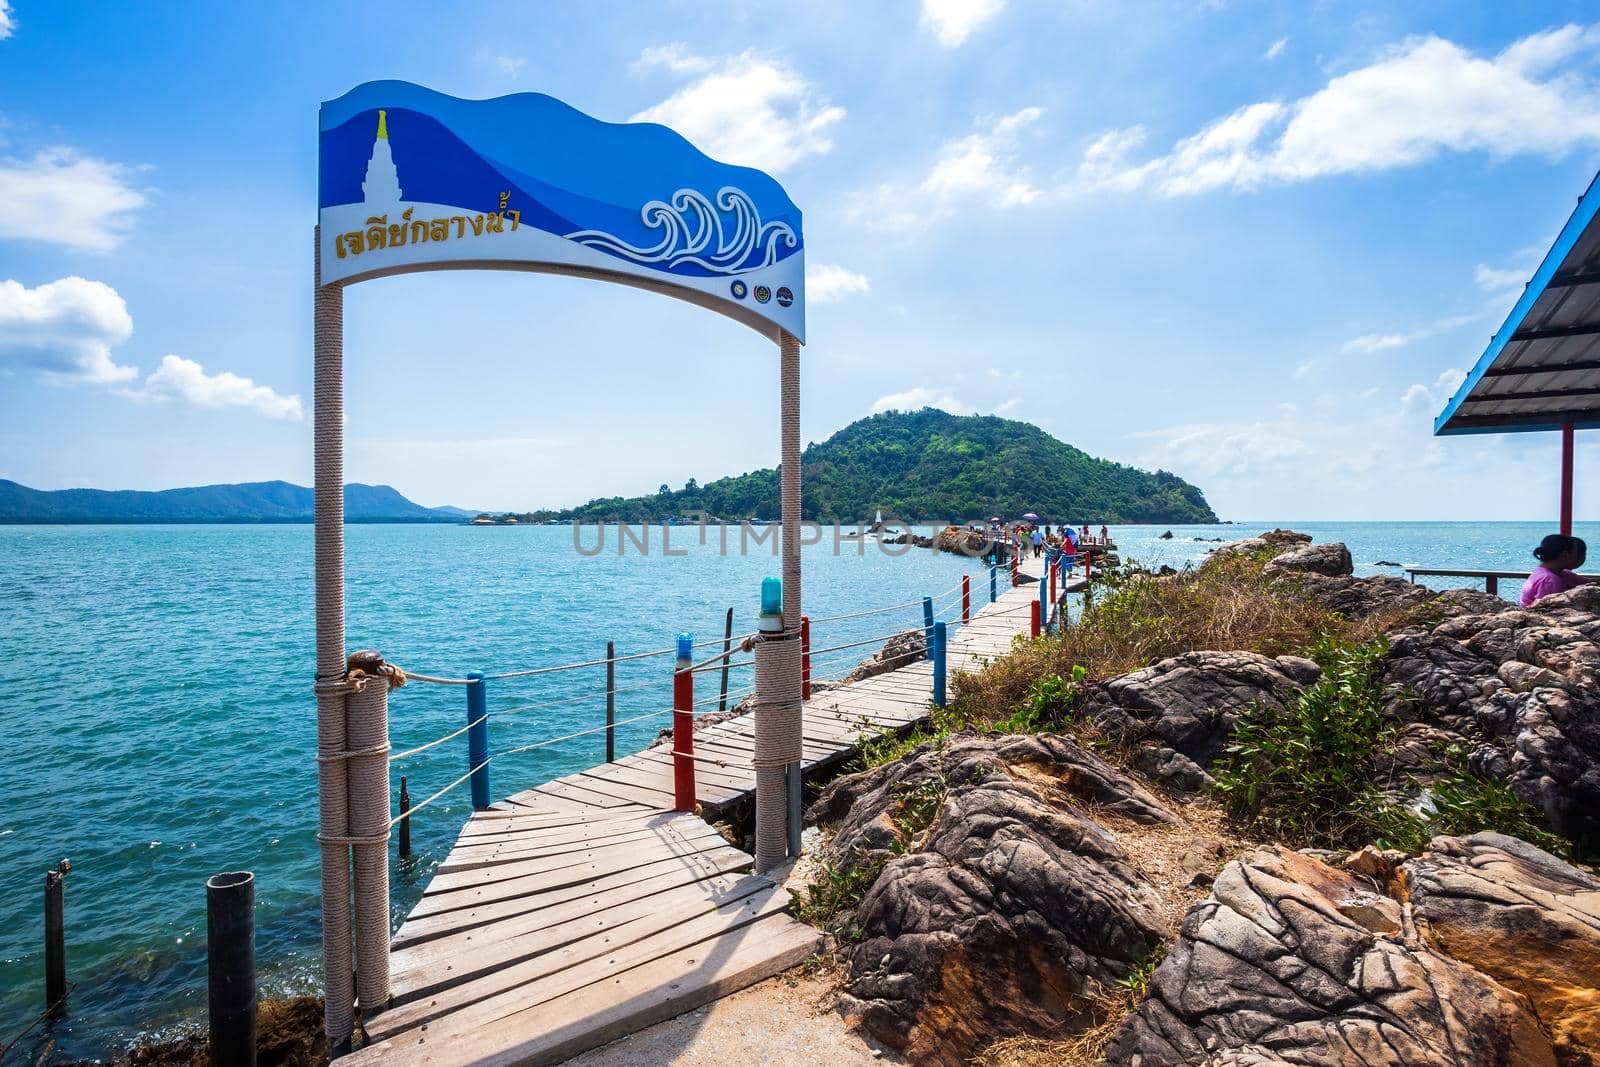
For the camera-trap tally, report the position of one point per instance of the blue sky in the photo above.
(1253, 244)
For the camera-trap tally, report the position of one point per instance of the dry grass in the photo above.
(1137, 619)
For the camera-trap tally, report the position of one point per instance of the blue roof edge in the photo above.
(1582, 215)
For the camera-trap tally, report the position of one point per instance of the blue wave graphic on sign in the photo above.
(638, 192)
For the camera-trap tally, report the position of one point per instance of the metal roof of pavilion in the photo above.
(1542, 368)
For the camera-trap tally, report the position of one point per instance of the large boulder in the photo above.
(1293, 961)
(1523, 917)
(1331, 558)
(1181, 710)
(1518, 689)
(1014, 908)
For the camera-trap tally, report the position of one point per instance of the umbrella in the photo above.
(1031, 517)
(994, 518)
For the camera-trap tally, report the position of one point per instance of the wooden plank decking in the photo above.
(584, 909)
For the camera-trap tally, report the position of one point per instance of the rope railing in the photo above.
(839, 658)
(580, 733)
(398, 756)
(414, 808)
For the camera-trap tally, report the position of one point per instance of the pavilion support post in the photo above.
(331, 685)
(1566, 478)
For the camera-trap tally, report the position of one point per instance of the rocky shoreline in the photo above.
(1079, 894)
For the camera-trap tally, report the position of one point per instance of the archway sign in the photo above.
(412, 180)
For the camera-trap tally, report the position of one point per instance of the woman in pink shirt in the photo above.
(1559, 556)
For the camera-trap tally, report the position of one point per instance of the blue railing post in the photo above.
(478, 739)
(994, 582)
(938, 664)
(1044, 602)
(927, 625)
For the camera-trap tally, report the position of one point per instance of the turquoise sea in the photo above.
(158, 723)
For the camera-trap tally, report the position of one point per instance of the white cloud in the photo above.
(1493, 280)
(673, 57)
(1420, 98)
(185, 381)
(1377, 342)
(8, 21)
(952, 21)
(742, 109)
(1275, 49)
(67, 199)
(65, 329)
(983, 165)
(920, 397)
(1422, 399)
(510, 66)
(828, 282)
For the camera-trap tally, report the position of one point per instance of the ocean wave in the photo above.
(725, 237)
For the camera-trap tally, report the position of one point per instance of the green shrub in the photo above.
(1462, 803)
(838, 891)
(1305, 773)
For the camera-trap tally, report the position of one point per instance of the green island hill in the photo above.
(925, 465)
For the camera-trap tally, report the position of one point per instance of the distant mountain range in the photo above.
(245, 502)
(928, 465)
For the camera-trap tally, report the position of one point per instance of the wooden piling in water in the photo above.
(405, 820)
(611, 702)
(727, 647)
(55, 939)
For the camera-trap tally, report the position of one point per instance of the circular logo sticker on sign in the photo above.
(739, 289)
(785, 296)
(763, 294)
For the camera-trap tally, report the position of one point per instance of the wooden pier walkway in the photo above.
(585, 909)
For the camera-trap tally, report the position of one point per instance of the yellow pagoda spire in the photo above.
(383, 126)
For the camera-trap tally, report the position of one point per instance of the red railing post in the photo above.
(1034, 621)
(966, 598)
(1566, 478)
(1016, 565)
(683, 726)
(1088, 562)
(805, 657)
(1054, 566)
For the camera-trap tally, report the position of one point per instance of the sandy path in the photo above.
(787, 1021)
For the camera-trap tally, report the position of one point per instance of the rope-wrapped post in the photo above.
(478, 739)
(777, 736)
(338, 989)
(805, 657)
(966, 598)
(927, 627)
(790, 686)
(1016, 566)
(683, 726)
(368, 761)
(939, 646)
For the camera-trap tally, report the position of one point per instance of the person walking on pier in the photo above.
(1038, 542)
